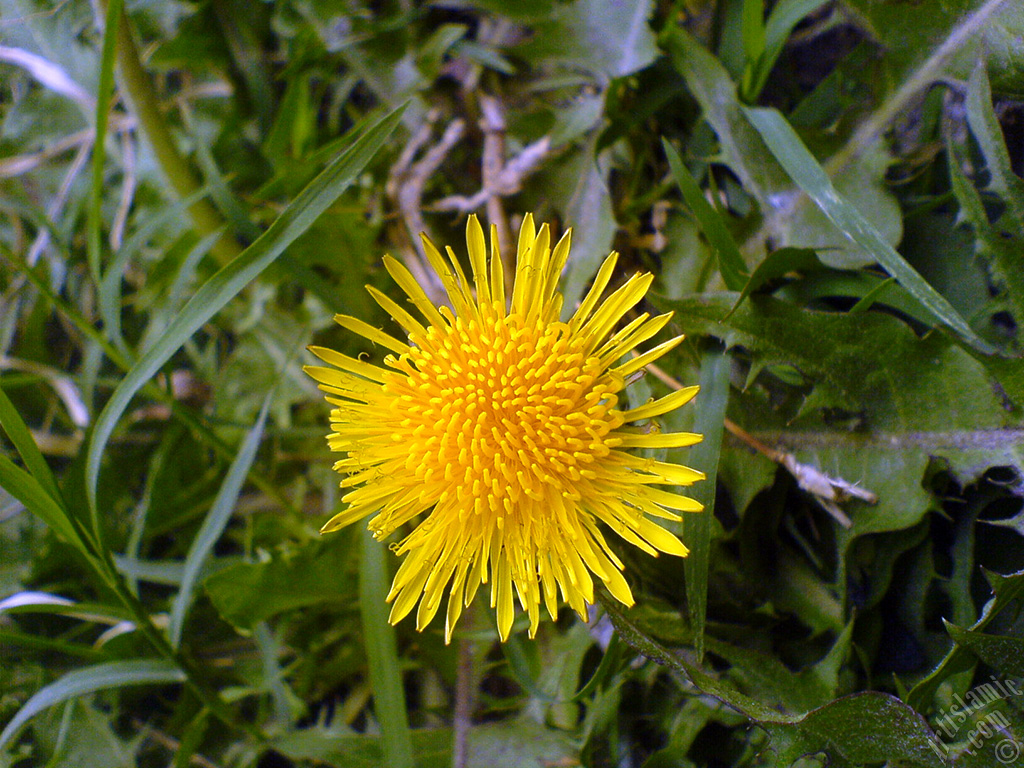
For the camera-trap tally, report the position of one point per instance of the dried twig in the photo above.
(405, 185)
(500, 178)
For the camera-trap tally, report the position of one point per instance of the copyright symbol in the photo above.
(1007, 751)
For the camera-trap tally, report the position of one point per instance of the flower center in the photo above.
(499, 408)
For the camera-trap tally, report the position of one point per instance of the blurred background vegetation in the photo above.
(829, 193)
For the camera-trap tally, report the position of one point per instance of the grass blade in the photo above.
(103, 90)
(215, 521)
(730, 261)
(25, 445)
(800, 164)
(382, 656)
(28, 490)
(229, 281)
(712, 400)
(113, 674)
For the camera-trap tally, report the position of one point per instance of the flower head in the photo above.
(501, 425)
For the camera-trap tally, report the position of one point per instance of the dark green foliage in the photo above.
(830, 197)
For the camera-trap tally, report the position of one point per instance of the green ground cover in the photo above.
(830, 197)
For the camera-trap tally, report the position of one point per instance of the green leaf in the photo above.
(357, 750)
(112, 18)
(863, 728)
(382, 655)
(874, 366)
(229, 281)
(215, 522)
(248, 593)
(730, 261)
(778, 264)
(946, 37)
(607, 38)
(113, 276)
(115, 674)
(16, 429)
(520, 743)
(634, 636)
(785, 15)
(1004, 654)
(43, 602)
(800, 691)
(1002, 241)
(868, 299)
(711, 406)
(742, 149)
(753, 29)
(829, 283)
(1005, 591)
(26, 489)
(586, 203)
(786, 146)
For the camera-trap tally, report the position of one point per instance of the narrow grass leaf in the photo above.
(1000, 239)
(752, 28)
(777, 264)
(25, 445)
(785, 15)
(989, 135)
(800, 164)
(867, 301)
(115, 674)
(28, 490)
(229, 281)
(10, 639)
(110, 284)
(730, 261)
(382, 656)
(712, 401)
(94, 216)
(215, 522)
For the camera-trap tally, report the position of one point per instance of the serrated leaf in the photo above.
(800, 691)
(875, 366)
(863, 728)
(247, 593)
(1005, 591)
(1004, 654)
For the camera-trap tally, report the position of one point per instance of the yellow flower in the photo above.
(501, 424)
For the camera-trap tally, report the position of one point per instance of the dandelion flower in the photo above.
(499, 428)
